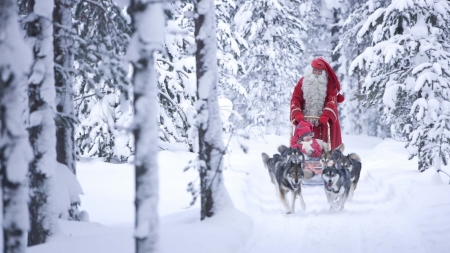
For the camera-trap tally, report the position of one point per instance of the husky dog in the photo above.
(286, 173)
(295, 152)
(337, 186)
(352, 163)
(331, 157)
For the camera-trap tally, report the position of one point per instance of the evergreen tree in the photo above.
(270, 34)
(101, 82)
(176, 75)
(15, 150)
(42, 128)
(228, 51)
(356, 118)
(408, 74)
(145, 42)
(318, 35)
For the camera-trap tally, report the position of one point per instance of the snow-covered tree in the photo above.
(102, 132)
(228, 50)
(317, 37)
(409, 74)
(176, 78)
(42, 130)
(145, 42)
(355, 117)
(64, 60)
(211, 148)
(270, 34)
(15, 150)
(101, 81)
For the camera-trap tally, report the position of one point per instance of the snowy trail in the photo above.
(366, 224)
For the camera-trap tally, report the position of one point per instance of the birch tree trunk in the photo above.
(211, 148)
(42, 125)
(15, 150)
(146, 41)
(64, 57)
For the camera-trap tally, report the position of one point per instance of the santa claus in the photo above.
(317, 94)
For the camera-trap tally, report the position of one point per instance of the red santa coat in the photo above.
(330, 110)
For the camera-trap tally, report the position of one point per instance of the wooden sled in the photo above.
(312, 163)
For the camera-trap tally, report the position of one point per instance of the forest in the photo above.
(124, 80)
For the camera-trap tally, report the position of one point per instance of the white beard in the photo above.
(314, 92)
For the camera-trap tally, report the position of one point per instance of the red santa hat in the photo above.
(303, 129)
(320, 63)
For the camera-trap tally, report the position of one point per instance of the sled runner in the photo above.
(312, 163)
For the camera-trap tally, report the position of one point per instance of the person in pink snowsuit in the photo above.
(303, 139)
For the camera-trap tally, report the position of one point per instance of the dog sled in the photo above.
(313, 164)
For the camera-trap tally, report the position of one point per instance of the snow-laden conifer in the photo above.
(15, 150)
(408, 73)
(101, 85)
(355, 117)
(228, 50)
(176, 79)
(270, 35)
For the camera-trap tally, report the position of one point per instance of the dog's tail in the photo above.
(341, 148)
(282, 148)
(265, 158)
(355, 157)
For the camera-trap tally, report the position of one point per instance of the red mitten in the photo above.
(323, 119)
(340, 98)
(299, 117)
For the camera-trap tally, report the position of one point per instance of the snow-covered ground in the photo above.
(395, 208)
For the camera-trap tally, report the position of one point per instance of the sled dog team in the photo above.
(340, 175)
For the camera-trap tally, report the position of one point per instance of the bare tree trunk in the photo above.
(145, 42)
(64, 57)
(209, 124)
(42, 126)
(15, 150)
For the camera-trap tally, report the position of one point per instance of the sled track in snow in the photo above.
(365, 225)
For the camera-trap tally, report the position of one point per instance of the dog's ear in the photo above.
(282, 148)
(265, 157)
(341, 148)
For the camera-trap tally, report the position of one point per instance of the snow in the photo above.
(67, 191)
(395, 208)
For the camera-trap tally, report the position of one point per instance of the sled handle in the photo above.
(315, 117)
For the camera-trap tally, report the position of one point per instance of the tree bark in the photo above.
(211, 149)
(15, 150)
(42, 128)
(64, 57)
(143, 46)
